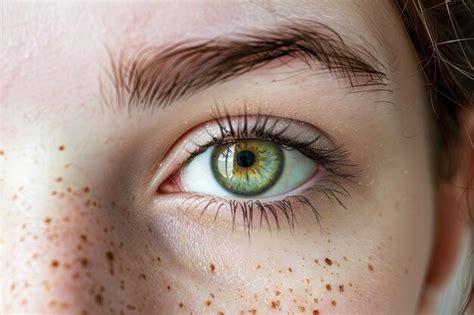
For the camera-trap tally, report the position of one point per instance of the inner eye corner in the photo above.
(170, 185)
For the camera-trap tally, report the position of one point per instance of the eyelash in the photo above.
(333, 160)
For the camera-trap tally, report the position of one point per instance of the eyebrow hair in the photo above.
(158, 76)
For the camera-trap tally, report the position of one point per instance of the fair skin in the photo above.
(85, 230)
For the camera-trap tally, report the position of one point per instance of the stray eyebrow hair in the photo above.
(158, 76)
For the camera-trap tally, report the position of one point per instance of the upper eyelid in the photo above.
(263, 127)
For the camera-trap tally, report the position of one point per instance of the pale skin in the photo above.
(84, 231)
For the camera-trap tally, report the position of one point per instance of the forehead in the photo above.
(53, 51)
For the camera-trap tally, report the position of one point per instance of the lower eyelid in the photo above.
(305, 207)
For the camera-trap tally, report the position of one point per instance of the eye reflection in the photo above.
(247, 167)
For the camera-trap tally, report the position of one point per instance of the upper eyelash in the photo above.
(334, 160)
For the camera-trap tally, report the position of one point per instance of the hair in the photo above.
(442, 33)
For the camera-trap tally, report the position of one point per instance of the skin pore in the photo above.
(85, 231)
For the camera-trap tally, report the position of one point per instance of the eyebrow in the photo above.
(157, 76)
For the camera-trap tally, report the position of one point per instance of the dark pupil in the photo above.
(245, 158)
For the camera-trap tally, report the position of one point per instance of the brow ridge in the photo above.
(157, 76)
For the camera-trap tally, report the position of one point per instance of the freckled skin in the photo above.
(85, 234)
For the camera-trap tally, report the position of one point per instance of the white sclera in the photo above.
(198, 177)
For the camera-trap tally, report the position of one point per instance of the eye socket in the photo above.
(256, 168)
(247, 168)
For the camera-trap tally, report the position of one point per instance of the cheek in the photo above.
(69, 253)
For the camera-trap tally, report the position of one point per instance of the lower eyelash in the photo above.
(328, 186)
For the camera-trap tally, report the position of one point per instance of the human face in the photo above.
(92, 222)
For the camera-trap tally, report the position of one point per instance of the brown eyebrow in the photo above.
(159, 76)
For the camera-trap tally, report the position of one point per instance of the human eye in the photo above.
(257, 168)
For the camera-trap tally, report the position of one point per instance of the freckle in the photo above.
(99, 299)
(84, 237)
(46, 285)
(315, 301)
(289, 269)
(315, 312)
(258, 266)
(221, 313)
(341, 288)
(61, 148)
(371, 268)
(84, 262)
(110, 258)
(208, 303)
(54, 263)
(47, 220)
(14, 197)
(12, 287)
(86, 189)
(345, 258)
(212, 268)
(54, 193)
(169, 288)
(328, 261)
(69, 189)
(181, 305)
(131, 307)
(333, 302)
(2, 153)
(59, 179)
(328, 287)
(277, 292)
(316, 261)
(142, 276)
(290, 289)
(301, 308)
(53, 303)
(275, 304)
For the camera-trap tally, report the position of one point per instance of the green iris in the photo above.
(247, 167)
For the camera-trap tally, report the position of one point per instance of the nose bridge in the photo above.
(59, 259)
